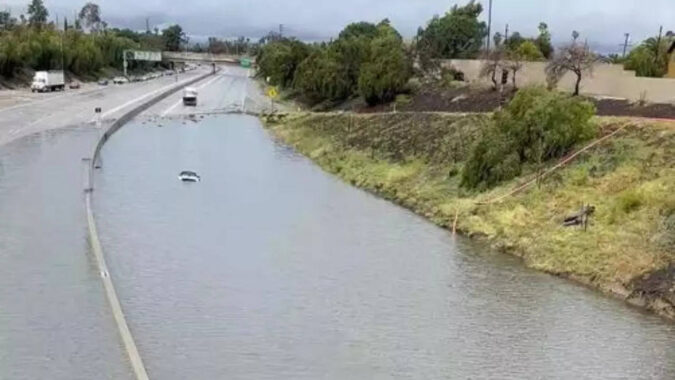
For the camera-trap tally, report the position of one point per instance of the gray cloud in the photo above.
(600, 21)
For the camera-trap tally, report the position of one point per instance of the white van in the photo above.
(190, 96)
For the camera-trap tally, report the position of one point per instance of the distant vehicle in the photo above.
(103, 82)
(74, 85)
(168, 72)
(52, 80)
(188, 176)
(190, 96)
(120, 80)
(145, 77)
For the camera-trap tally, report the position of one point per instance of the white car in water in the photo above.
(120, 80)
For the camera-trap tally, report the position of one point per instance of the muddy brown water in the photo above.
(271, 269)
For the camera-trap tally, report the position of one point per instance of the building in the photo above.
(671, 61)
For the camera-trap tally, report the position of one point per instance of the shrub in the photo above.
(536, 126)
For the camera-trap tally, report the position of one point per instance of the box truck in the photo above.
(52, 80)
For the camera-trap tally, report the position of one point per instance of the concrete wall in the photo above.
(606, 80)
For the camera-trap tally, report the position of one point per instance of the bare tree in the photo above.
(493, 63)
(514, 64)
(576, 58)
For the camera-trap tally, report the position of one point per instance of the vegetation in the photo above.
(84, 49)
(277, 61)
(457, 34)
(575, 58)
(413, 160)
(386, 71)
(367, 59)
(173, 37)
(650, 59)
(536, 126)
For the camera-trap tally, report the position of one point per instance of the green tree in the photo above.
(387, 70)
(37, 13)
(528, 51)
(543, 41)
(359, 29)
(90, 16)
(279, 60)
(458, 34)
(514, 40)
(173, 37)
(650, 58)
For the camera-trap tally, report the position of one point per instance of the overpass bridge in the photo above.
(188, 57)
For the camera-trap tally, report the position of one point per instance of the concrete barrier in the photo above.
(127, 338)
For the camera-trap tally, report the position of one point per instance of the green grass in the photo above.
(415, 159)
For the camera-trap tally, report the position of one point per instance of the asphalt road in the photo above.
(29, 113)
(230, 90)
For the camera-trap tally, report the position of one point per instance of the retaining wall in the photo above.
(606, 80)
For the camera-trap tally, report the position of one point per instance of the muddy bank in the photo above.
(475, 99)
(414, 160)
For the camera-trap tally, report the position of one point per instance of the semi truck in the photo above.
(52, 80)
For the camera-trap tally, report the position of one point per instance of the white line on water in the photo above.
(168, 110)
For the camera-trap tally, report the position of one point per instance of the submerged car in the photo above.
(74, 85)
(103, 82)
(189, 176)
(120, 80)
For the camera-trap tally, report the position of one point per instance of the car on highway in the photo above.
(103, 82)
(74, 85)
(120, 80)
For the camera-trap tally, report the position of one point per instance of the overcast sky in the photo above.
(600, 21)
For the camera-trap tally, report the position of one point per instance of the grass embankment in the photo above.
(415, 160)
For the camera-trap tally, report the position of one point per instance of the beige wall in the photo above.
(607, 80)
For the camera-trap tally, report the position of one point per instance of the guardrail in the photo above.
(127, 338)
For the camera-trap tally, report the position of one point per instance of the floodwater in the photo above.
(271, 269)
(55, 322)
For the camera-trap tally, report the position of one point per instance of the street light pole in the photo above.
(489, 25)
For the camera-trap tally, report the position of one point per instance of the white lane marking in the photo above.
(127, 104)
(50, 98)
(168, 110)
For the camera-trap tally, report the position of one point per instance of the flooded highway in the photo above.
(270, 268)
(55, 322)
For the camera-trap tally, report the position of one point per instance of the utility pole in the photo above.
(506, 34)
(625, 44)
(658, 45)
(489, 25)
(281, 31)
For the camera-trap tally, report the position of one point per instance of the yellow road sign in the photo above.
(272, 92)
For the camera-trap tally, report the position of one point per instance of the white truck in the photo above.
(52, 80)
